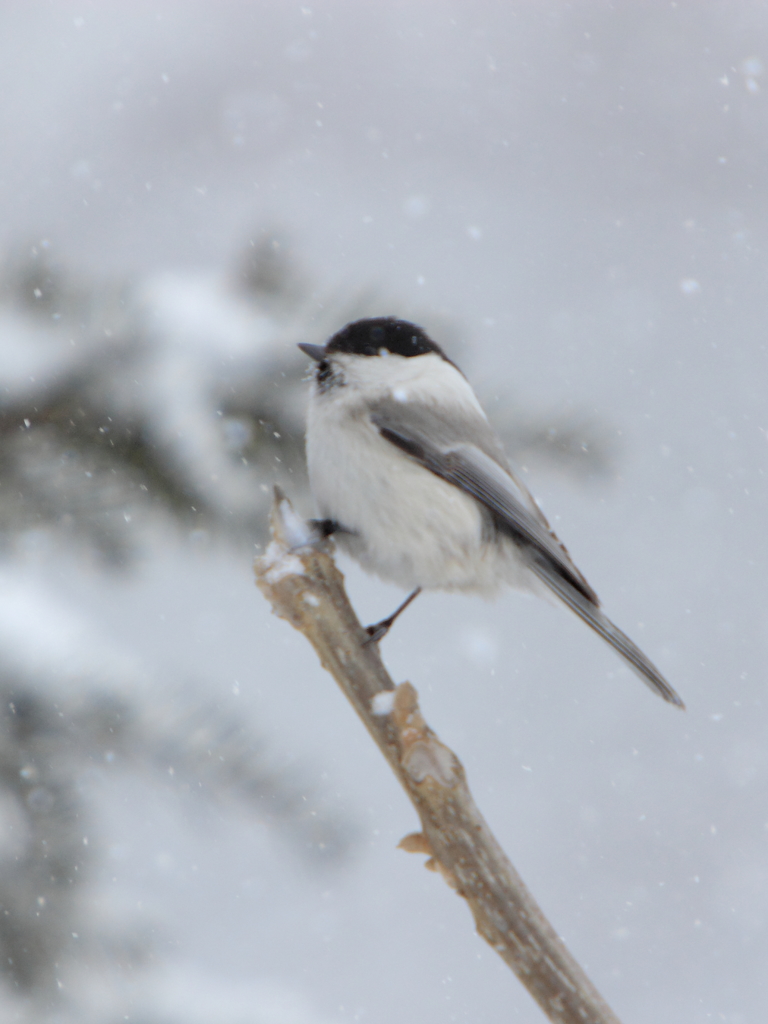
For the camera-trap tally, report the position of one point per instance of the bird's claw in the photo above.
(376, 632)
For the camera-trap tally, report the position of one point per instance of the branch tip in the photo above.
(287, 527)
(291, 535)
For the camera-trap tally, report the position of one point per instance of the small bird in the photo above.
(412, 481)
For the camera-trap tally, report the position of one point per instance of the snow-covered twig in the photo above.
(301, 581)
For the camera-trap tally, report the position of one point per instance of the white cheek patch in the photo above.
(400, 395)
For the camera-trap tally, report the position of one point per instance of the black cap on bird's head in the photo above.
(370, 337)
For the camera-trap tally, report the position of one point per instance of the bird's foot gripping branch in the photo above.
(298, 576)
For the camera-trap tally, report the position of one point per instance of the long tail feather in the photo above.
(602, 625)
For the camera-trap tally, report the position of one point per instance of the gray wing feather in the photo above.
(465, 452)
(478, 467)
(479, 476)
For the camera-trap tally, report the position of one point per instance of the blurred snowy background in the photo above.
(573, 199)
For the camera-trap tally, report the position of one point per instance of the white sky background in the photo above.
(581, 190)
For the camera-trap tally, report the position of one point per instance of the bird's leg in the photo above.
(380, 629)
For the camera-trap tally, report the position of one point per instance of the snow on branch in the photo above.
(299, 577)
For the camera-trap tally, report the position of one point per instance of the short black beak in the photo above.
(316, 352)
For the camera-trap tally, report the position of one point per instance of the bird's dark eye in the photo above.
(323, 370)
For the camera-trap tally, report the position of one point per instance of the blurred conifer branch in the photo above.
(169, 397)
(50, 843)
(300, 579)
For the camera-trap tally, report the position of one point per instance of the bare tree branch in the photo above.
(304, 586)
